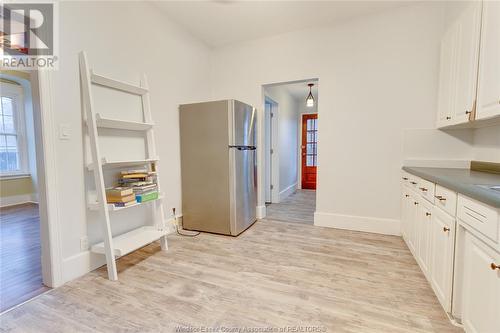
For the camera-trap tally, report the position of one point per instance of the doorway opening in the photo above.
(290, 143)
(21, 245)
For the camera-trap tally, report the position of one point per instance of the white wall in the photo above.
(121, 40)
(287, 118)
(486, 144)
(379, 79)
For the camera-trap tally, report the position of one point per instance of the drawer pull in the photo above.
(428, 214)
(494, 266)
(415, 203)
(446, 229)
(440, 198)
(423, 189)
(413, 183)
(405, 178)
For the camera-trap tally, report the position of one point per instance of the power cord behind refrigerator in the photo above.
(177, 227)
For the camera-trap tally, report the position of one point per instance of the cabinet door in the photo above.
(412, 223)
(488, 101)
(424, 224)
(481, 307)
(442, 236)
(447, 88)
(467, 53)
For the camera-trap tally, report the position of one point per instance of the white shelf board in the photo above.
(103, 122)
(131, 241)
(121, 164)
(116, 84)
(113, 208)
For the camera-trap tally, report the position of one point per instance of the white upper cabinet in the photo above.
(488, 104)
(458, 67)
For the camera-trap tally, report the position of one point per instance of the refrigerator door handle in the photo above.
(244, 147)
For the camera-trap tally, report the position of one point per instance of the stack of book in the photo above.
(142, 182)
(120, 196)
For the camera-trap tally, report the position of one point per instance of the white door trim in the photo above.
(47, 166)
(275, 157)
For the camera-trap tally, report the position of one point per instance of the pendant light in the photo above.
(310, 97)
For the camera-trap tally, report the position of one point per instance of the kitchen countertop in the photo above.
(463, 181)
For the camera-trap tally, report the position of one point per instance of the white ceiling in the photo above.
(220, 22)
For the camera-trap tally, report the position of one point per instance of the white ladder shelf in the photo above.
(116, 246)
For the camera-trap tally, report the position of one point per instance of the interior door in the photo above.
(309, 150)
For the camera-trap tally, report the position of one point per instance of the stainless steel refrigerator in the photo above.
(218, 166)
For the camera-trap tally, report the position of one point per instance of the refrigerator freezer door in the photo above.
(242, 117)
(243, 187)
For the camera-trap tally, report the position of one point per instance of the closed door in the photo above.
(442, 234)
(481, 302)
(309, 150)
(488, 101)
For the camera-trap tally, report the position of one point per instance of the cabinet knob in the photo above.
(440, 198)
(446, 229)
(407, 195)
(404, 178)
(468, 112)
(448, 118)
(423, 189)
(413, 183)
(415, 203)
(494, 266)
(427, 214)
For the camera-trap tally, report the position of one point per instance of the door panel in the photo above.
(442, 245)
(244, 198)
(243, 119)
(309, 150)
(481, 287)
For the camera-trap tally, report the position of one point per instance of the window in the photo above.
(12, 143)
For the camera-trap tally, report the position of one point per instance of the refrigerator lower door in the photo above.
(243, 188)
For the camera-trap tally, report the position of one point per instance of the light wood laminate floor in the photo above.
(275, 274)
(298, 207)
(20, 258)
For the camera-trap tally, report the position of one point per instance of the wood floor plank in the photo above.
(275, 274)
(20, 256)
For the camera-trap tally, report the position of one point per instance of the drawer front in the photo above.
(479, 216)
(405, 178)
(426, 189)
(446, 200)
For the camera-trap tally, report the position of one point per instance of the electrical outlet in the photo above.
(84, 243)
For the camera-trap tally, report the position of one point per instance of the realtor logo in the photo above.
(27, 35)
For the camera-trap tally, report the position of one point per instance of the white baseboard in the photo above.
(261, 212)
(86, 261)
(287, 191)
(358, 223)
(16, 200)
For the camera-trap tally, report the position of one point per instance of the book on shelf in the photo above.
(144, 197)
(123, 199)
(125, 204)
(119, 191)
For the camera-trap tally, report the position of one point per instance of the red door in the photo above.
(309, 150)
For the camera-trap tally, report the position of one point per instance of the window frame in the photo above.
(16, 93)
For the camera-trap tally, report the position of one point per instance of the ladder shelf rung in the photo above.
(116, 84)
(121, 164)
(103, 122)
(131, 241)
(113, 208)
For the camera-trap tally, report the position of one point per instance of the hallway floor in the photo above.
(20, 266)
(296, 208)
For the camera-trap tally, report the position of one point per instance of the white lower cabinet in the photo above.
(463, 267)
(481, 287)
(442, 242)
